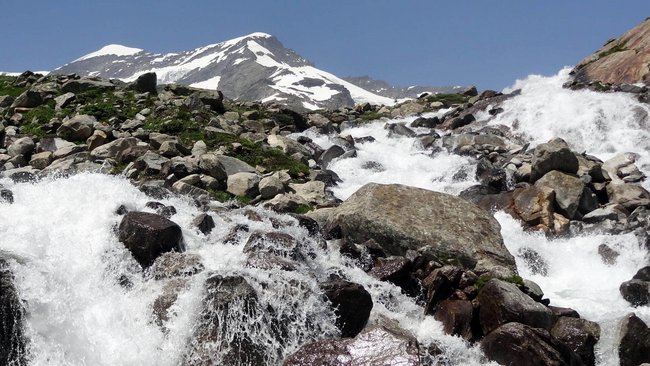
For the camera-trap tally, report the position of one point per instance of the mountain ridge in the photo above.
(254, 67)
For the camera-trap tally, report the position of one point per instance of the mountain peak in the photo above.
(111, 49)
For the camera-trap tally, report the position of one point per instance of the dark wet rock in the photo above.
(121, 210)
(636, 292)
(148, 235)
(393, 269)
(520, 344)
(553, 155)
(351, 303)
(275, 243)
(376, 345)
(6, 196)
(488, 174)
(155, 189)
(175, 264)
(166, 211)
(608, 254)
(503, 302)
(13, 341)
(634, 341)
(426, 122)
(204, 222)
(167, 298)
(560, 311)
(439, 285)
(535, 262)
(307, 222)
(437, 225)
(216, 340)
(399, 130)
(456, 317)
(579, 335)
(330, 154)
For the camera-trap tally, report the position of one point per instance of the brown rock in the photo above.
(456, 317)
(624, 60)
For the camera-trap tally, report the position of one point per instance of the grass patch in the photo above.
(7, 86)
(618, 48)
(104, 105)
(368, 116)
(220, 196)
(36, 118)
(303, 209)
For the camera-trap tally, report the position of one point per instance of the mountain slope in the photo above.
(253, 67)
(383, 88)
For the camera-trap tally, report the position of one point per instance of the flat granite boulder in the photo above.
(440, 226)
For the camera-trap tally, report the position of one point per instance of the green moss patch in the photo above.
(7, 86)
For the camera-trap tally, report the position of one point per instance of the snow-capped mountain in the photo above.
(254, 67)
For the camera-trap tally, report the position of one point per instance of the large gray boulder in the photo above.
(437, 225)
(114, 149)
(502, 302)
(28, 99)
(77, 128)
(22, 146)
(13, 350)
(82, 85)
(571, 195)
(223, 166)
(553, 155)
(628, 195)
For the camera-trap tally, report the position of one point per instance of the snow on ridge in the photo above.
(212, 83)
(111, 49)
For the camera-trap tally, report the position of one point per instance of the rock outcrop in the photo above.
(623, 60)
(437, 225)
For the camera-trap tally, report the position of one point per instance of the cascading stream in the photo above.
(78, 313)
(602, 124)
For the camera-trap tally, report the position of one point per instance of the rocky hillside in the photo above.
(623, 60)
(256, 67)
(175, 139)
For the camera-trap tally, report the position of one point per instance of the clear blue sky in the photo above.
(488, 43)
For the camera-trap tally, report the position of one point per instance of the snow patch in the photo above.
(111, 49)
(211, 83)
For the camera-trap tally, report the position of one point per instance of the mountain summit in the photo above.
(253, 67)
(256, 67)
